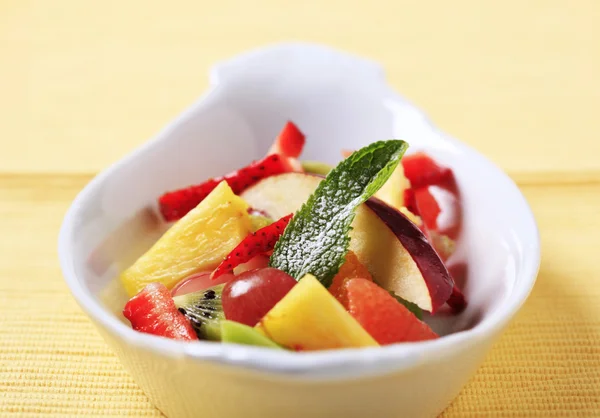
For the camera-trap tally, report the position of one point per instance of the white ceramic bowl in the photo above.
(339, 101)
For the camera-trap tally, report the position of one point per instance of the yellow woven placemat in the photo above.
(52, 361)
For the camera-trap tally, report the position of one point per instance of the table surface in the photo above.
(82, 83)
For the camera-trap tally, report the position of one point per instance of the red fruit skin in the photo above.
(457, 300)
(153, 311)
(421, 170)
(176, 204)
(290, 141)
(382, 316)
(252, 294)
(260, 242)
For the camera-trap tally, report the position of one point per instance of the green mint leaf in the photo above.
(316, 240)
(413, 307)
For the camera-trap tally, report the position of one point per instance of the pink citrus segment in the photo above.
(382, 316)
(351, 269)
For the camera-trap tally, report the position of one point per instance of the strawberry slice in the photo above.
(260, 242)
(153, 311)
(289, 143)
(410, 202)
(427, 207)
(175, 205)
(421, 170)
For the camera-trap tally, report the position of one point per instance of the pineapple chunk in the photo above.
(197, 242)
(392, 192)
(310, 318)
(411, 216)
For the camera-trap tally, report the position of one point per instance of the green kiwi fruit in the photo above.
(259, 221)
(236, 333)
(316, 167)
(204, 309)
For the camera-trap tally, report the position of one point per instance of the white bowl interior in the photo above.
(345, 107)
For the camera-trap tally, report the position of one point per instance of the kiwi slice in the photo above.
(316, 167)
(204, 310)
(259, 221)
(234, 332)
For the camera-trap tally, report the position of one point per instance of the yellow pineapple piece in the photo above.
(392, 191)
(197, 242)
(310, 318)
(411, 216)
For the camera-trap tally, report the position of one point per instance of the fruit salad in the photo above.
(298, 255)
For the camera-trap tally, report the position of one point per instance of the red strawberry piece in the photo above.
(260, 242)
(427, 207)
(175, 205)
(153, 311)
(434, 192)
(421, 170)
(290, 141)
(442, 208)
(382, 316)
(410, 202)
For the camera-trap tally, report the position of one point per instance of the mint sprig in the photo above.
(316, 240)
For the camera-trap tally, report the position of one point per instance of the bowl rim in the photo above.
(330, 364)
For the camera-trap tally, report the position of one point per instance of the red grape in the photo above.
(248, 297)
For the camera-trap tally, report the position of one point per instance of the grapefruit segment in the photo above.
(382, 316)
(351, 269)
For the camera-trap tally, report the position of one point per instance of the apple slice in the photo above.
(425, 257)
(393, 249)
